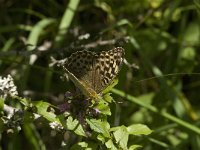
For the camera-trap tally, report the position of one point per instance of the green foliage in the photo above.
(153, 107)
(1, 104)
(42, 109)
(75, 126)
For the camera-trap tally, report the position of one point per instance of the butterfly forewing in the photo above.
(107, 66)
(80, 64)
(94, 71)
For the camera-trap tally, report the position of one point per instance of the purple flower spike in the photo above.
(69, 95)
(64, 107)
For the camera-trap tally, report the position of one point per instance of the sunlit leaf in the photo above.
(134, 147)
(103, 107)
(115, 82)
(1, 104)
(108, 98)
(42, 109)
(109, 144)
(138, 129)
(121, 136)
(73, 124)
(99, 126)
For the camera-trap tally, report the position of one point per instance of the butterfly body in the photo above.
(92, 72)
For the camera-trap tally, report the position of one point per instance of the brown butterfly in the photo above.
(92, 72)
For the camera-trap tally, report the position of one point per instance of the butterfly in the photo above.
(92, 72)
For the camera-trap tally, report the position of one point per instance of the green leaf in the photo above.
(66, 20)
(192, 33)
(33, 137)
(188, 53)
(75, 126)
(138, 129)
(84, 146)
(42, 109)
(62, 120)
(103, 107)
(107, 89)
(1, 104)
(109, 144)
(134, 147)
(24, 101)
(101, 138)
(99, 126)
(121, 136)
(37, 31)
(108, 98)
(155, 110)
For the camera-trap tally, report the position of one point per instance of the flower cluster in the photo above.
(7, 87)
(55, 125)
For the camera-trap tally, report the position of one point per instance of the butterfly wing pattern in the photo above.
(92, 72)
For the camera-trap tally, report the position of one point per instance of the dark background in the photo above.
(161, 37)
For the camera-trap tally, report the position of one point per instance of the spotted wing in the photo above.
(94, 72)
(79, 67)
(107, 65)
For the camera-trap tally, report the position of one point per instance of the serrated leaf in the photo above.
(99, 126)
(108, 98)
(109, 144)
(103, 107)
(74, 125)
(101, 138)
(24, 101)
(138, 129)
(121, 136)
(42, 110)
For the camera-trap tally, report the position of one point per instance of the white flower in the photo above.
(7, 87)
(56, 125)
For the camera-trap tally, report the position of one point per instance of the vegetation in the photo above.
(155, 104)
